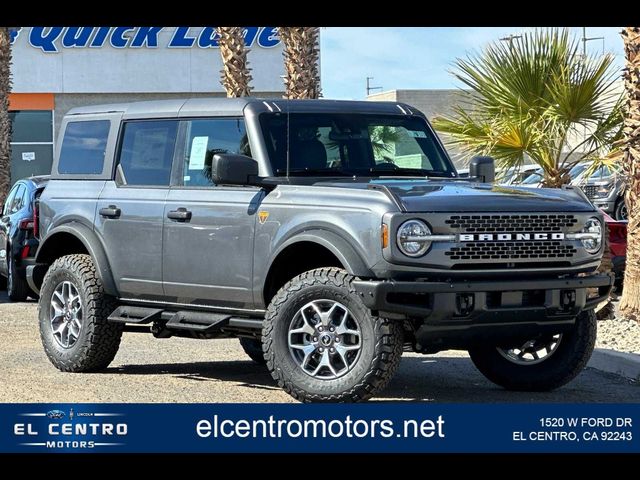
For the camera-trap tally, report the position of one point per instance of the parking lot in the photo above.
(181, 370)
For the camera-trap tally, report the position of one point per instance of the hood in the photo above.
(463, 196)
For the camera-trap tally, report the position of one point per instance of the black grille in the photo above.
(589, 190)
(511, 223)
(511, 250)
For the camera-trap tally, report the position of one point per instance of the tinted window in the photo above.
(147, 152)
(9, 200)
(352, 144)
(204, 139)
(83, 147)
(31, 126)
(18, 201)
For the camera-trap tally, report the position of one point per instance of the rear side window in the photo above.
(17, 202)
(146, 152)
(83, 147)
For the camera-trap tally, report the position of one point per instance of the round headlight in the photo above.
(412, 239)
(592, 244)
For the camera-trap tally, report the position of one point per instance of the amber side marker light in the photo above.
(385, 235)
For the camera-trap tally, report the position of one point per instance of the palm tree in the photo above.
(532, 98)
(236, 78)
(301, 59)
(630, 303)
(5, 125)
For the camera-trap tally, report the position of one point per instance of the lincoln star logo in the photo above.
(505, 237)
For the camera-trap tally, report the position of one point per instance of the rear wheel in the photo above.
(253, 348)
(17, 287)
(540, 364)
(73, 311)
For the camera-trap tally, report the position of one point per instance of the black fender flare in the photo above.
(92, 244)
(352, 261)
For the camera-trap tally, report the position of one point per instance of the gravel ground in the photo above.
(619, 334)
(182, 370)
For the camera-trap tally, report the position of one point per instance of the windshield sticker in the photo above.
(417, 133)
(198, 153)
(409, 161)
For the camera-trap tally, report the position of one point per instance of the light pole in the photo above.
(369, 87)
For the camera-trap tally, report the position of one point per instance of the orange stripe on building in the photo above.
(31, 101)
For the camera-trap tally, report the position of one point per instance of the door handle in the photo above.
(181, 215)
(110, 212)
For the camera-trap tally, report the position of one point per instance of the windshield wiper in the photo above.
(325, 172)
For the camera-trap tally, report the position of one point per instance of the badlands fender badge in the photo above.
(262, 216)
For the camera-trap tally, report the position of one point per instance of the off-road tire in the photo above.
(253, 348)
(99, 340)
(17, 288)
(618, 212)
(560, 368)
(382, 341)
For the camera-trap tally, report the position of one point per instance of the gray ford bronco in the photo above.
(328, 236)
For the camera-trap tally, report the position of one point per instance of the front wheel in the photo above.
(322, 344)
(620, 212)
(540, 364)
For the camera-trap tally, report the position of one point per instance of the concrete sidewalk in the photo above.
(619, 363)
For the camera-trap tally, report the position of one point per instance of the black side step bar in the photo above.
(136, 315)
(182, 323)
(197, 321)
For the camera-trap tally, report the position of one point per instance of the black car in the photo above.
(19, 235)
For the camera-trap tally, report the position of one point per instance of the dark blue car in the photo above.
(19, 235)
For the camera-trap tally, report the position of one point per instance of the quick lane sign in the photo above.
(53, 39)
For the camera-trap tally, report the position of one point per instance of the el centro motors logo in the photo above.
(61, 429)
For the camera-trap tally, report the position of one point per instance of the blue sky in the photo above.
(403, 57)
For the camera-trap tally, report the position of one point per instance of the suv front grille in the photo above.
(511, 223)
(589, 190)
(511, 250)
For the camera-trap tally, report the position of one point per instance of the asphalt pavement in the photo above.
(183, 370)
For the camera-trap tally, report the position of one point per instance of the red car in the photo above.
(618, 246)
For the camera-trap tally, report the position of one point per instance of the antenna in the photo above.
(370, 88)
(510, 39)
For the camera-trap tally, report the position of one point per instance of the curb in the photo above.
(624, 364)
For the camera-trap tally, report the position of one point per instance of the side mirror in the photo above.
(483, 168)
(232, 169)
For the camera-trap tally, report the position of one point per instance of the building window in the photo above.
(31, 143)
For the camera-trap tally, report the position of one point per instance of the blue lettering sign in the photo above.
(76, 37)
(268, 37)
(146, 37)
(13, 34)
(250, 34)
(180, 39)
(43, 38)
(101, 36)
(208, 38)
(118, 39)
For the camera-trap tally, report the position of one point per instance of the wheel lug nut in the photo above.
(337, 339)
(332, 349)
(332, 329)
(321, 349)
(320, 328)
(315, 339)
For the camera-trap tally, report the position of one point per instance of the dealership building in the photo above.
(58, 68)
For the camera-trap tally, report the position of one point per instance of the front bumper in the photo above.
(456, 314)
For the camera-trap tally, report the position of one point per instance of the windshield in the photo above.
(352, 144)
(577, 170)
(535, 177)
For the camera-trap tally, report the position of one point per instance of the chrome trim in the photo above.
(431, 238)
(583, 236)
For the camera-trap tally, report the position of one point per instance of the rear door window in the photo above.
(83, 147)
(17, 202)
(146, 152)
(9, 201)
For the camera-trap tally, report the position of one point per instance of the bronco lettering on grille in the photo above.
(505, 237)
